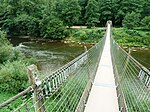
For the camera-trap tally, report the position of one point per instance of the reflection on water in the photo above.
(50, 55)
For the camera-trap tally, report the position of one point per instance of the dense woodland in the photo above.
(49, 18)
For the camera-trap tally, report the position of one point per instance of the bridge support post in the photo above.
(38, 99)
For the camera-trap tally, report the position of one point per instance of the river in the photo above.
(142, 56)
(52, 55)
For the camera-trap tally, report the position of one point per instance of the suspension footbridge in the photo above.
(103, 79)
(103, 93)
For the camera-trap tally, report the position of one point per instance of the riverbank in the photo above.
(127, 38)
(87, 35)
(135, 40)
(132, 37)
(80, 36)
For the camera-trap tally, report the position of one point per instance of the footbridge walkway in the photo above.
(103, 79)
(103, 93)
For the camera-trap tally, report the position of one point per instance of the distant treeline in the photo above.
(49, 18)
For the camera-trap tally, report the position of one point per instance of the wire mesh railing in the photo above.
(65, 90)
(133, 81)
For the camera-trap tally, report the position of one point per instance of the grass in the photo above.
(5, 96)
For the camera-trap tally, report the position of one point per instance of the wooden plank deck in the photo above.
(103, 95)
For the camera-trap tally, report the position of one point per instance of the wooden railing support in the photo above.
(38, 99)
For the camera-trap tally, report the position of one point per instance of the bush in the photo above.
(5, 47)
(3, 39)
(95, 34)
(146, 41)
(26, 25)
(52, 27)
(146, 22)
(81, 35)
(133, 32)
(7, 52)
(88, 35)
(13, 77)
(132, 38)
(67, 32)
(13, 74)
(131, 20)
(55, 29)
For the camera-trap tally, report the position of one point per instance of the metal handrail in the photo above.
(133, 80)
(15, 97)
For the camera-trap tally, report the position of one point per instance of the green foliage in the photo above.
(5, 48)
(55, 29)
(52, 28)
(15, 77)
(133, 32)
(82, 35)
(131, 20)
(87, 35)
(13, 74)
(5, 96)
(146, 8)
(83, 4)
(3, 40)
(92, 15)
(25, 25)
(122, 7)
(31, 18)
(67, 32)
(146, 22)
(70, 12)
(105, 10)
(35, 17)
(132, 38)
(7, 52)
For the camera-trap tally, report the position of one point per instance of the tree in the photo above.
(70, 12)
(51, 26)
(54, 29)
(146, 22)
(122, 7)
(20, 17)
(7, 16)
(146, 8)
(105, 10)
(14, 14)
(83, 4)
(92, 15)
(131, 20)
(26, 25)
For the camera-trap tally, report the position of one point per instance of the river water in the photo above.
(52, 55)
(142, 56)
